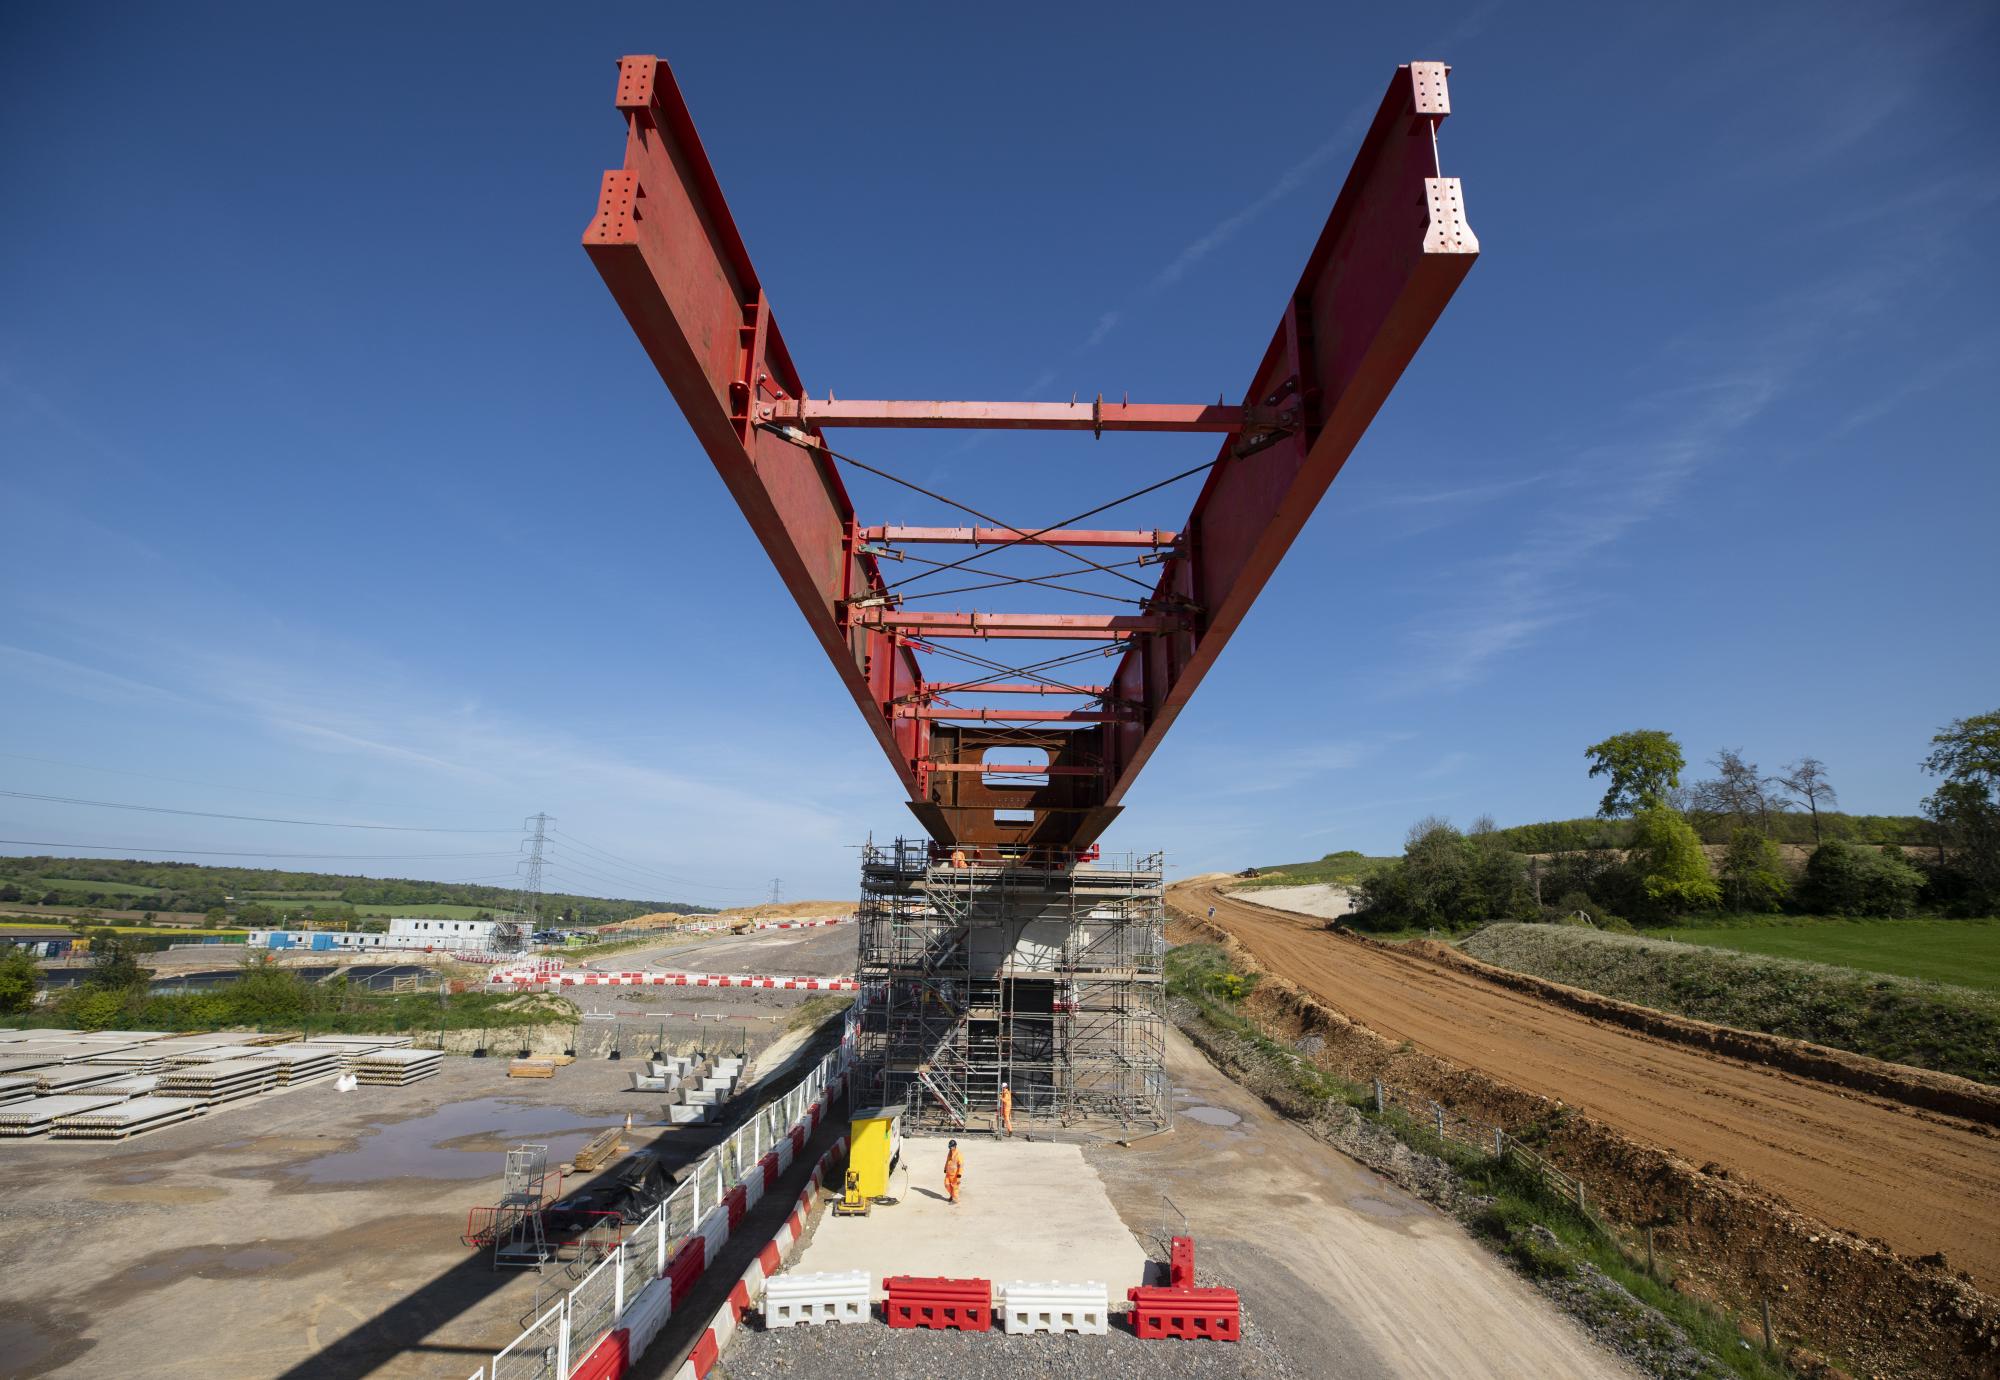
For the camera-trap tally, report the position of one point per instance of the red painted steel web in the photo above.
(1393, 251)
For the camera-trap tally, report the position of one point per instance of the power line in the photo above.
(253, 819)
(644, 870)
(234, 853)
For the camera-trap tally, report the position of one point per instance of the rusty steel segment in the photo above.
(1019, 416)
(1391, 254)
(1008, 536)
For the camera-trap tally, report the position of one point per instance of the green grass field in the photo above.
(1335, 869)
(1963, 952)
(427, 912)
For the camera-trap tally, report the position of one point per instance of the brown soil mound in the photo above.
(1633, 1109)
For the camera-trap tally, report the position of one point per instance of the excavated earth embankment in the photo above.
(1860, 1198)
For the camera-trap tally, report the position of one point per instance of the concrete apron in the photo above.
(1026, 1210)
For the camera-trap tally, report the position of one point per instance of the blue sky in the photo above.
(338, 489)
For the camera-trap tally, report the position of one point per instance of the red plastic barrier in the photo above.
(798, 1140)
(686, 1267)
(1180, 1267)
(609, 1360)
(705, 1354)
(737, 1200)
(964, 1304)
(1188, 1313)
(769, 1164)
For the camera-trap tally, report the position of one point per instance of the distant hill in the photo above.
(255, 894)
(1346, 868)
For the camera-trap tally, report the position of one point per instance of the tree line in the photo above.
(1642, 860)
(243, 895)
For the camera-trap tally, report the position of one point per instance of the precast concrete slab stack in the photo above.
(69, 1078)
(397, 1067)
(297, 1063)
(123, 1120)
(38, 1114)
(16, 1089)
(222, 1080)
(128, 1086)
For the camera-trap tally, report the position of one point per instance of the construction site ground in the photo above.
(1026, 1210)
(1341, 1273)
(1920, 1180)
(315, 1233)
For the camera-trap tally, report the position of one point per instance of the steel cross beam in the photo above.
(1392, 253)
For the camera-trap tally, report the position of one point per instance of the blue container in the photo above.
(322, 941)
(281, 940)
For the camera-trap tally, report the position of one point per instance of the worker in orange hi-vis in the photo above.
(1006, 1109)
(954, 1169)
(958, 857)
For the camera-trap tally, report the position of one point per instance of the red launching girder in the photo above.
(1392, 253)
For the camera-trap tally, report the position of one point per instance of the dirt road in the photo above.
(1918, 1180)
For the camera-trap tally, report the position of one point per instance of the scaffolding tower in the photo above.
(1008, 966)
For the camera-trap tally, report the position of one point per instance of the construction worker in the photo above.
(954, 1169)
(958, 857)
(1006, 1109)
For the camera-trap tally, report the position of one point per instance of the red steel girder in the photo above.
(1008, 536)
(1019, 416)
(1393, 251)
(987, 687)
(1085, 627)
(1037, 716)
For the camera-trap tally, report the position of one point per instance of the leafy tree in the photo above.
(1753, 875)
(216, 917)
(20, 978)
(1446, 880)
(1672, 868)
(1966, 755)
(113, 964)
(1806, 779)
(10, 892)
(52, 898)
(1644, 766)
(1844, 879)
(96, 1009)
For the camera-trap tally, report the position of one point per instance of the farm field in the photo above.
(1965, 953)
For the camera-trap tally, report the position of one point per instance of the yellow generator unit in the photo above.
(874, 1144)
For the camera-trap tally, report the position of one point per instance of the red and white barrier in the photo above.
(750, 1289)
(566, 977)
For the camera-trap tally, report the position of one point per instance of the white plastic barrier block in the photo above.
(837, 1297)
(646, 1315)
(689, 1114)
(1035, 1306)
(714, 1229)
(753, 1187)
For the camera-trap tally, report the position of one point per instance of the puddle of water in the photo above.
(413, 1148)
(1377, 1207)
(1211, 1116)
(25, 1344)
(211, 1262)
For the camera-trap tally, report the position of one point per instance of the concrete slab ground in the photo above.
(1026, 1210)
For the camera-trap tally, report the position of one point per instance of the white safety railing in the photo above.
(563, 1337)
